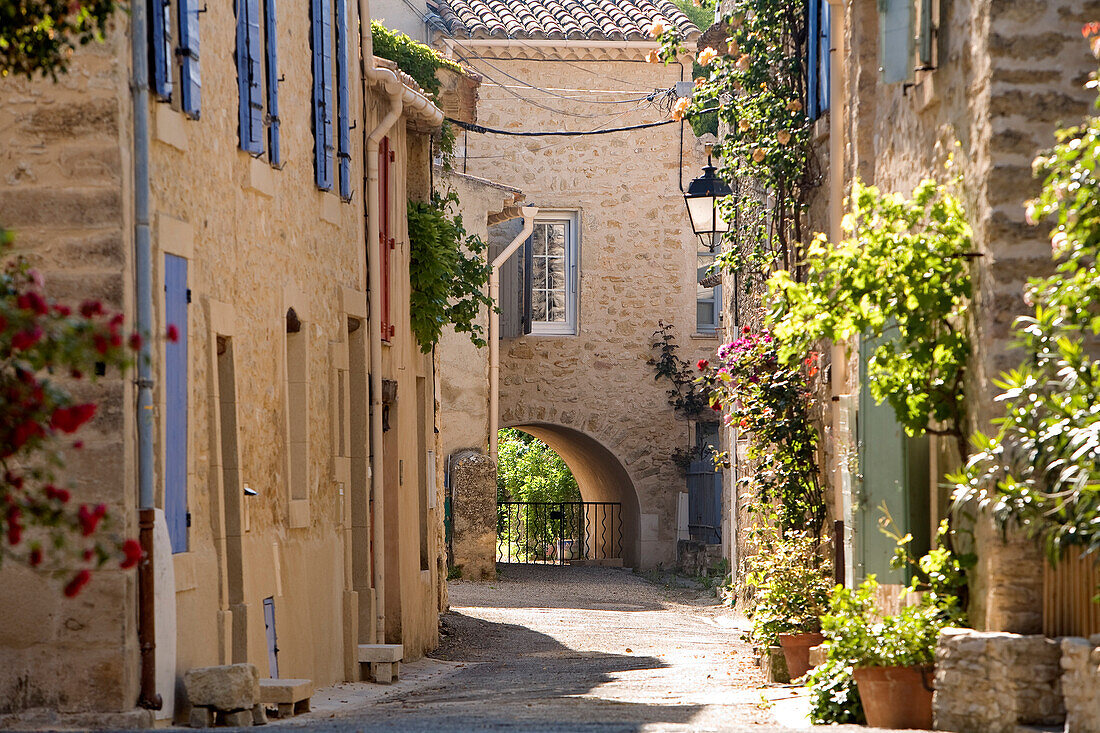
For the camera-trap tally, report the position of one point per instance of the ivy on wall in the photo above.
(448, 272)
(415, 59)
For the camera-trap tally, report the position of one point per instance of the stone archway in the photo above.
(600, 476)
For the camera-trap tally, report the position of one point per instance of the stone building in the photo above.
(617, 253)
(989, 82)
(291, 458)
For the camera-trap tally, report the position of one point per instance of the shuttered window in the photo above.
(817, 58)
(190, 81)
(249, 83)
(385, 230)
(896, 53)
(160, 51)
(342, 128)
(321, 43)
(274, 151)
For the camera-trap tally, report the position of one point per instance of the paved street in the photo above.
(570, 649)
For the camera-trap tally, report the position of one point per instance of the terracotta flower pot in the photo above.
(896, 697)
(796, 650)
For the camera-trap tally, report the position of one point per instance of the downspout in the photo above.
(401, 97)
(143, 267)
(529, 213)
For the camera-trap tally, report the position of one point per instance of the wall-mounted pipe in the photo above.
(143, 294)
(529, 213)
(402, 99)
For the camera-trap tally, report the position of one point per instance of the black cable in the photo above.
(469, 126)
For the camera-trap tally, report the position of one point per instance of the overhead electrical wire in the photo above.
(472, 127)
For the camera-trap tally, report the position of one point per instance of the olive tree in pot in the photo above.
(892, 656)
(789, 586)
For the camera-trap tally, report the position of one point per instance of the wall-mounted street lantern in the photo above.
(702, 202)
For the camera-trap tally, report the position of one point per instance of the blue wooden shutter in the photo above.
(250, 103)
(175, 388)
(160, 48)
(342, 128)
(813, 37)
(823, 47)
(274, 155)
(321, 37)
(190, 81)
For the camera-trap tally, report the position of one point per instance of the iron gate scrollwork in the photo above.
(559, 533)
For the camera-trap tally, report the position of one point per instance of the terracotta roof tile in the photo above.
(603, 20)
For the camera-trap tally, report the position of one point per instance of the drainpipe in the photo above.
(143, 267)
(529, 213)
(401, 98)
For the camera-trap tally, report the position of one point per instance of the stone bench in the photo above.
(384, 661)
(288, 696)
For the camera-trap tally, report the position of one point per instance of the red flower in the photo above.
(717, 407)
(62, 310)
(32, 301)
(24, 432)
(745, 330)
(116, 340)
(52, 492)
(135, 341)
(91, 308)
(15, 529)
(69, 419)
(89, 518)
(702, 364)
(172, 333)
(132, 550)
(26, 339)
(35, 558)
(77, 583)
(116, 320)
(102, 345)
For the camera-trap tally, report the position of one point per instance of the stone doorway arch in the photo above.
(600, 476)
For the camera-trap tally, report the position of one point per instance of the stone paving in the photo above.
(570, 649)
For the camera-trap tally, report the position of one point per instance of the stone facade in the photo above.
(1081, 683)
(591, 396)
(259, 240)
(993, 682)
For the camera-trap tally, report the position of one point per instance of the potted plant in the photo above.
(891, 656)
(789, 586)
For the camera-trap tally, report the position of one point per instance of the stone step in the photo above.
(381, 653)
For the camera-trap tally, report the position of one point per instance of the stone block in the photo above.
(273, 691)
(259, 715)
(227, 687)
(474, 491)
(201, 717)
(381, 652)
(774, 665)
(1081, 683)
(236, 719)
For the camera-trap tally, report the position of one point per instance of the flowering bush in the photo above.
(39, 36)
(769, 400)
(43, 343)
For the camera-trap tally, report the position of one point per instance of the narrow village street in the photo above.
(571, 649)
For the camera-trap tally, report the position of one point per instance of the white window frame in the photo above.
(716, 299)
(572, 222)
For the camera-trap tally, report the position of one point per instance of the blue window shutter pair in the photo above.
(190, 81)
(250, 104)
(817, 58)
(175, 388)
(342, 128)
(321, 38)
(275, 155)
(160, 48)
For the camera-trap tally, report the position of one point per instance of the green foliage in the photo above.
(686, 395)
(900, 277)
(942, 573)
(758, 86)
(834, 697)
(39, 36)
(1041, 466)
(700, 13)
(769, 400)
(787, 581)
(530, 470)
(415, 59)
(448, 273)
(855, 632)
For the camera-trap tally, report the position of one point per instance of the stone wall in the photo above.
(474, 492)
(989, 682)
(1081, 683)
(65, 188)
(637, 267)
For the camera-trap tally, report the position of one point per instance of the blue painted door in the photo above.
(175, 388)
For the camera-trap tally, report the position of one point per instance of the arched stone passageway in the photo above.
(600, 476)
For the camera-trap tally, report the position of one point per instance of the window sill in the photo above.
(710, 336)
(260, 178)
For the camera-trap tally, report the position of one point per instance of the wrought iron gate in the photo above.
(559, 533)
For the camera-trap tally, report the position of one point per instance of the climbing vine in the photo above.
(686, 395)
(448, 272)
(756, 80)
(415, 59)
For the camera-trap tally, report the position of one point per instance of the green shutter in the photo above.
(896, 40)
